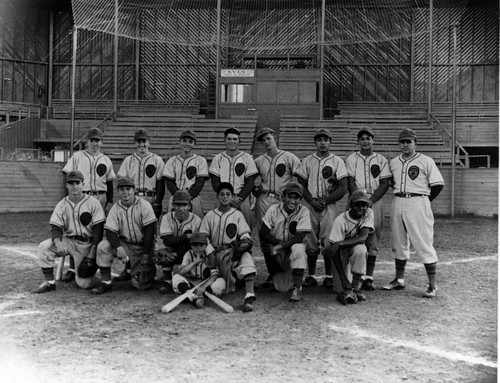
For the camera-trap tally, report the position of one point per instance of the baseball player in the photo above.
(282, 239)
(224, 226)
(324, 178)
(238, 169)
(187, 171)
(370, 172)
(146, 169)
(130, 232)
(76, 227)
(196, 268)
(417, 182)
(176, 229)
(346, 244)
(99, 175)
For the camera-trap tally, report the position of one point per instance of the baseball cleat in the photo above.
(310, 281)
(368, 285)
(394, 285)
(122, 277)
(328, 282)
(45, 287)
(248, 305)
(296, 295)
(69, 276)
(431, 292)
(359, 295)
(103, 288)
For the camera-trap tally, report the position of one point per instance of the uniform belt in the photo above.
(409, 195)
(82, 239)
(91, 192)
(274, 195)
(368, 191)
(145, 193)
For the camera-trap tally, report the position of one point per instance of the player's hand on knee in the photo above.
(121, 254)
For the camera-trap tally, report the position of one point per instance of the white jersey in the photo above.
(318, 171)
(129, 222)
(367, 171)
(172, 226)
(145, 171)
(277, 171)
(345, 227)
(201, 270)
(224, 228)
(78, 219)
(97, 170)
(415, 175)
(184, 171)
(233, 169)
(284, 225)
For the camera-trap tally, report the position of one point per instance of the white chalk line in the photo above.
(21, 313)
(450, 355)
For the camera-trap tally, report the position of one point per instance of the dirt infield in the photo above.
(71, 336)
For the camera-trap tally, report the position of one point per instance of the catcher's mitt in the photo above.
(347, 296)
(87, 268)
(143, 273)
(165, 257)
(242, 246)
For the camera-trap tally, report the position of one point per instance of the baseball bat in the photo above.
(219, 302)
(60, 268)
(177, 301)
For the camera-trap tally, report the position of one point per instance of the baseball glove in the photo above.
(143, 272)
(347, 296)
(242, 246)
(87, 268)
(165, 257)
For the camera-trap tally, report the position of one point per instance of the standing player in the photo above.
(370, 172)
(324, 178)
(99, 175)
(224, 226)
(346, 245)
(176, 229)
(238, 169)
(130, 230)
(282, 238)
(187, 171)
(76, 227)
(417, 182)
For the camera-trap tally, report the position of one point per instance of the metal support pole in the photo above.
(429, 86)
(73, 90)
(322, 60)
(115, 92)
(50, 74)
(217, 64)
(454, 121)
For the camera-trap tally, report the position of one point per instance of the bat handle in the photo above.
(60, 268)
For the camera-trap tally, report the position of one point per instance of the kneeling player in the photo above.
(346, 247)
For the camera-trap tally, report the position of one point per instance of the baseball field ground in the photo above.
(70, 335)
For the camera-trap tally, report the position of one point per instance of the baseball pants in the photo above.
(353, 261)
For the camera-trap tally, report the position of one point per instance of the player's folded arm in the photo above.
(338, 193)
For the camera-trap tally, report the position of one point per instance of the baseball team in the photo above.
(292, 204)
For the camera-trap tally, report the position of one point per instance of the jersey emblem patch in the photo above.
(280, 170)
(327, 172)
(413, 172)
(239, 169)
(191, 172)
(85, 218)
(375, 170)
(150, 170)
(231, 230)
(101, 169)
(292, 228)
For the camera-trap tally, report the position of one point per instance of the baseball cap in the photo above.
(188, 133)
(263, 132)
(94, 133)
(181, 196)
(407, 134)
(141, 134)
(359, 195)
(225, 185)
(293, 187)
(74, 175)
(366, 130)
(231, 131)
(198, 238)
(125, 181)
(322, 132)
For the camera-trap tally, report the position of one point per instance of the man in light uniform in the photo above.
(369, 171)
(238, 169)
(99, 175)
(324, 178)
(187, 171)
(417, 182)
(76, 228)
